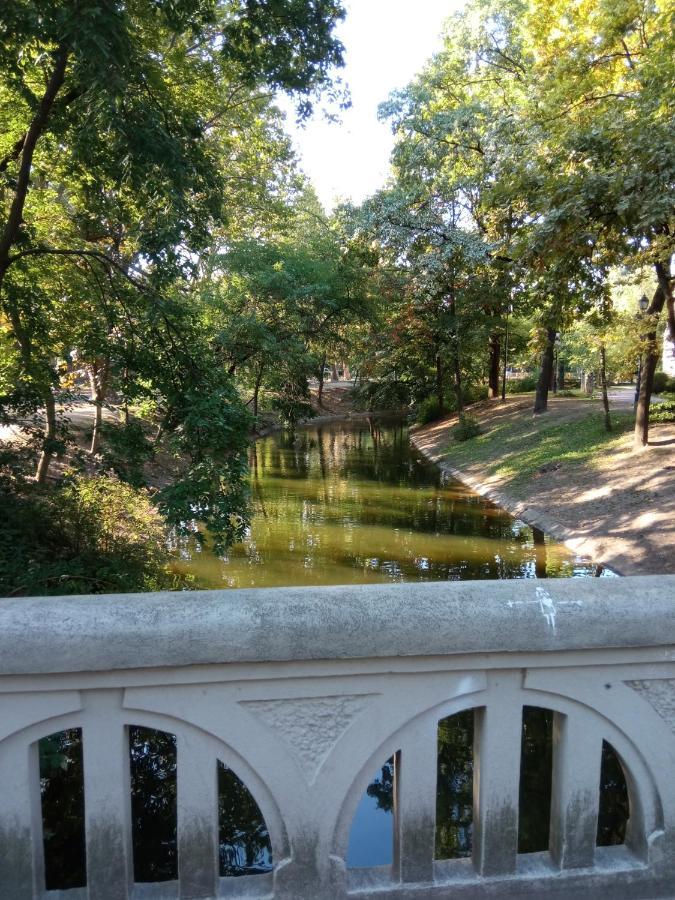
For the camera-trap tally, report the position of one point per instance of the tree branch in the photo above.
(37, 126)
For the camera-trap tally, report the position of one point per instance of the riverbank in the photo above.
(562, 473)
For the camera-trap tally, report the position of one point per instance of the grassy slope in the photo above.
(515, 450)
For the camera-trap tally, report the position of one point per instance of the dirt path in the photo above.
(612, 503)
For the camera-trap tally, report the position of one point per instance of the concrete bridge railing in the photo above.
(304, 693)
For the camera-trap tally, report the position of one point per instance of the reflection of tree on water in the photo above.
(254, 466)
(244, 841)
(454, 786)
(381, 789)
(153, 804)
(614, 809)
(62, 795)
(536, 759)
(539, 540)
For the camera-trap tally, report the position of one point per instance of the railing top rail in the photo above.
(41, 635)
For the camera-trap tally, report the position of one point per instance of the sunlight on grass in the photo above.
(516, 451)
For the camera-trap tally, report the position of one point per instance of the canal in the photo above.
(353, 502)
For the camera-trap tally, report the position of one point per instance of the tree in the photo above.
(118, 158)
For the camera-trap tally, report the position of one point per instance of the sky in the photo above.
(386, 43)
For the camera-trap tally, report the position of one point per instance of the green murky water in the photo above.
(353, 502)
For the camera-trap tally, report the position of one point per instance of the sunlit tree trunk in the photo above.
(98, 380)
(49, 437)
(494, 358)
(256, 390)
(650, 359)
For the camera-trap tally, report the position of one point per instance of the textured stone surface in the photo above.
(311, 726)
(660, 692)
(128, 631)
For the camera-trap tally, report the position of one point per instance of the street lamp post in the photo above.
(643, 304)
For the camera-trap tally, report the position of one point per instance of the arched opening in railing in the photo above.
(244, 845)
(152, 759)
(534, 795)
(371, 838)
(241, 834)
(454, 786)
(614, 805)
(62, 809)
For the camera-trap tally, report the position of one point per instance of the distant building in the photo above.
(668, 354)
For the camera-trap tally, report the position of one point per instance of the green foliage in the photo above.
(210, 446)
(126, 451)
(94, 534)
(521, 385)
(148, 138)
(386, 394)
(663, 412)
(663, 382)
(467, 428)
(429, 410)
(471, 393)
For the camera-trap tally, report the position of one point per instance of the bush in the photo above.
(429, 410)
(662, 412)
(663, 382)
(91, 534)
(472, 393)
(467, 428)
(522, 385)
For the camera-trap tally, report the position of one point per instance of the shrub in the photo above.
(472, 393)
(466, 428)
(662, 412)
(91, 534)
(429, 410)
(521, 385)
(663, 382)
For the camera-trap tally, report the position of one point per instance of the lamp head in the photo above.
(644, 303)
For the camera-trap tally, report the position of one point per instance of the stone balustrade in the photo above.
(304, 693)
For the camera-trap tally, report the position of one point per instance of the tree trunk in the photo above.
(256, 390)
(541, 397)
(440, 396)
(345, 372)
(12, 228)
(98, 379)
(98, 422)
(494, 358)
(323, 366)
(650, 359)
(49, 438)
(561, 375)
(334, 372)
(603, 386)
